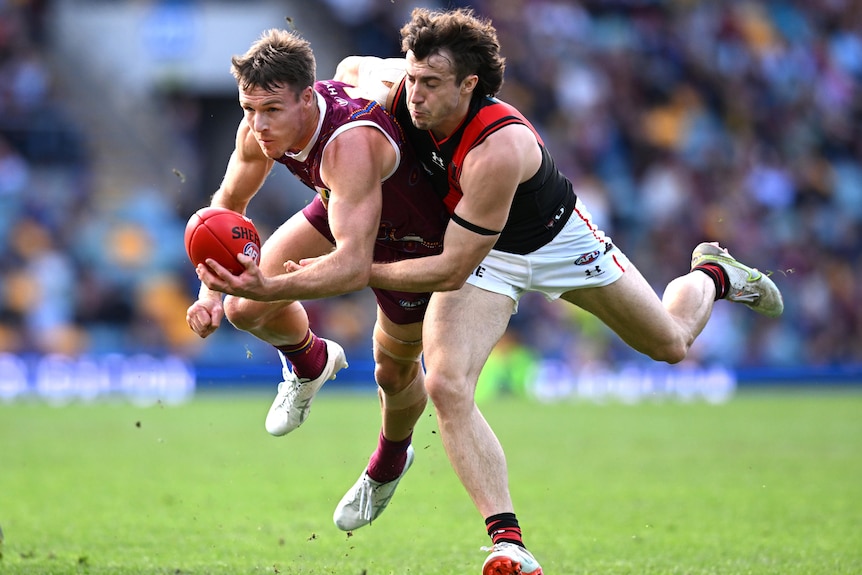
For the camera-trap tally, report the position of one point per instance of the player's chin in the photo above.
(421, 121)
(271, 151)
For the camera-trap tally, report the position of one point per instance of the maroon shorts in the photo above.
(400, 307)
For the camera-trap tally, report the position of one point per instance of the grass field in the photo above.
(770, 483)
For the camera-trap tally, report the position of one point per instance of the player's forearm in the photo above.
(426, 274)
(328, 277)
(206, 293)
(226, 199)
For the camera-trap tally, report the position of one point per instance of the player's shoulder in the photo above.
(499, 137)
(491, 117)
(491, 111)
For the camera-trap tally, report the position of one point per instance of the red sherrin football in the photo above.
(220, 234)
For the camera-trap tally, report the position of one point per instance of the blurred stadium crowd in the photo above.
(677, 121)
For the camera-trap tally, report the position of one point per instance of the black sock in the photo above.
(718, 276)
(504, 527)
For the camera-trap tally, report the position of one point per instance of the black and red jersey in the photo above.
(541, 205)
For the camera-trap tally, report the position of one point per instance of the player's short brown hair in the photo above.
(277, 58)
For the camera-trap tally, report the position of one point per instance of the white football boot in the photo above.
(510, 559)
(747, 285)
(293, 401)
(367, 499)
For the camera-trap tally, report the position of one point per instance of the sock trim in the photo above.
(297, 347)
(718, 276)
(504, 528)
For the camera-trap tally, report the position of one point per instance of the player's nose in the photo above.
(259, 123)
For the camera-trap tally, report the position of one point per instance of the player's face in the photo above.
(279, 121)
(435, 100)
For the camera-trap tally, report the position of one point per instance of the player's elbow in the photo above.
(347, 70)
(359, 279)
(453, 280)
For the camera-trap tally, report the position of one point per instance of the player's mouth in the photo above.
(418, 115)
(270, 148)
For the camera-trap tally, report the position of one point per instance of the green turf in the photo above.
(770, 483)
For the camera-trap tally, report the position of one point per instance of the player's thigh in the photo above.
(461, 329)
(408, 333)
(293, 240)
(630, 307)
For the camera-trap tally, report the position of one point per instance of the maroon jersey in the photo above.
(413, 218)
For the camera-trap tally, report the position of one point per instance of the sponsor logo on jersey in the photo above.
(438, 160)
(558, 215)
(324, 195)
(586, 259)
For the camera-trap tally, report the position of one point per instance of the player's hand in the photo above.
(292, 266)
(250, 284)
(204, 316)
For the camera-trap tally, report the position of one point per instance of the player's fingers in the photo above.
(291, 266)
(215, 317)
(212, 278)
(196, 325)
(218, 269)
(203, 327)
(246, 261)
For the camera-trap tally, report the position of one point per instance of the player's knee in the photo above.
(668, 352)
(448, 394)
(404, 390)
(396, 362)
(393, 375)
(237, 312)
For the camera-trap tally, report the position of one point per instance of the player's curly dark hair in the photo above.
(471, 41)
(277, 58)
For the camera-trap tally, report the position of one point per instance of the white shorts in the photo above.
(581, 256)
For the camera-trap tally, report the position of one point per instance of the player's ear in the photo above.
(307, 95)
(469, 84)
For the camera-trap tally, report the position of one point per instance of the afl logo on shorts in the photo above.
(408, 304)
(586, 259)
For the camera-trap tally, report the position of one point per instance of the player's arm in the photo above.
(352, 167)
(491, 173)
(246, 171)
(376, 78)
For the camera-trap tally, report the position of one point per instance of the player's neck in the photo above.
(310, 129)
(448, 126)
